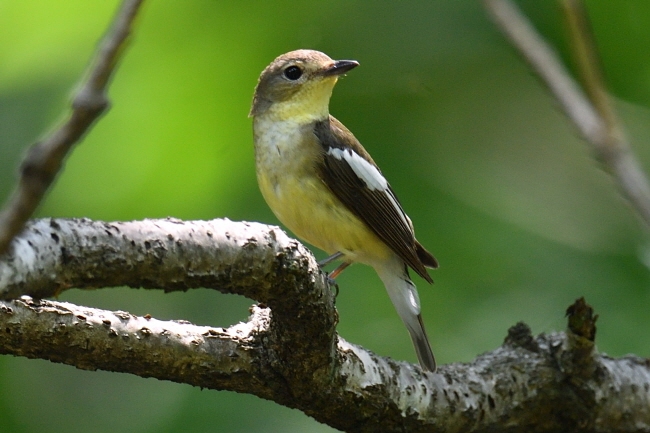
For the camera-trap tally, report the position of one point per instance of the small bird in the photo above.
(323, 185)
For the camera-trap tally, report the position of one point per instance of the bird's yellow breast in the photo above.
(286, 157)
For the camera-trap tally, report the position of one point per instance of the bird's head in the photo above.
(298, 85)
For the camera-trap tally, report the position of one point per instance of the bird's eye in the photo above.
(293, 73)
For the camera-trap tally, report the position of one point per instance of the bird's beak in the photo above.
(340, 67)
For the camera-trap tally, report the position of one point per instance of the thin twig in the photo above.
(592, 115)
(587, 59)
(45, 158)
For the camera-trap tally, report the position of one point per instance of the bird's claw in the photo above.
(331, 282)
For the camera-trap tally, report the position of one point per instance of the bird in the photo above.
(323, 185)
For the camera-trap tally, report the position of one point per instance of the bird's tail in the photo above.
(405, 298)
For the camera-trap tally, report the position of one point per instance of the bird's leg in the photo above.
(335, 273)
(337, 255)
(330, 277)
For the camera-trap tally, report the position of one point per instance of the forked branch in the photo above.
(591, 113)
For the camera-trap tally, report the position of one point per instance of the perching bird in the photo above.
(323, 185)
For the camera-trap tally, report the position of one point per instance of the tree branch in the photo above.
(45, 158)
(593, 116)
(164, 254)
(288, 351)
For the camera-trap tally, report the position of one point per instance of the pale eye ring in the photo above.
(293, 73)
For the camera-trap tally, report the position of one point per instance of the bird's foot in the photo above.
(331, 282)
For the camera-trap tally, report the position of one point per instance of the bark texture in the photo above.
(288, 350)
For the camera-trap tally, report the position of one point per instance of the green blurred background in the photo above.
(494, 178)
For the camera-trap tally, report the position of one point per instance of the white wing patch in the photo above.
(362, 168)
(370, 176)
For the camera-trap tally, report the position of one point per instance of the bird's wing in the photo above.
(354, 178)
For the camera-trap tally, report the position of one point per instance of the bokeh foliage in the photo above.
(498, 185)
